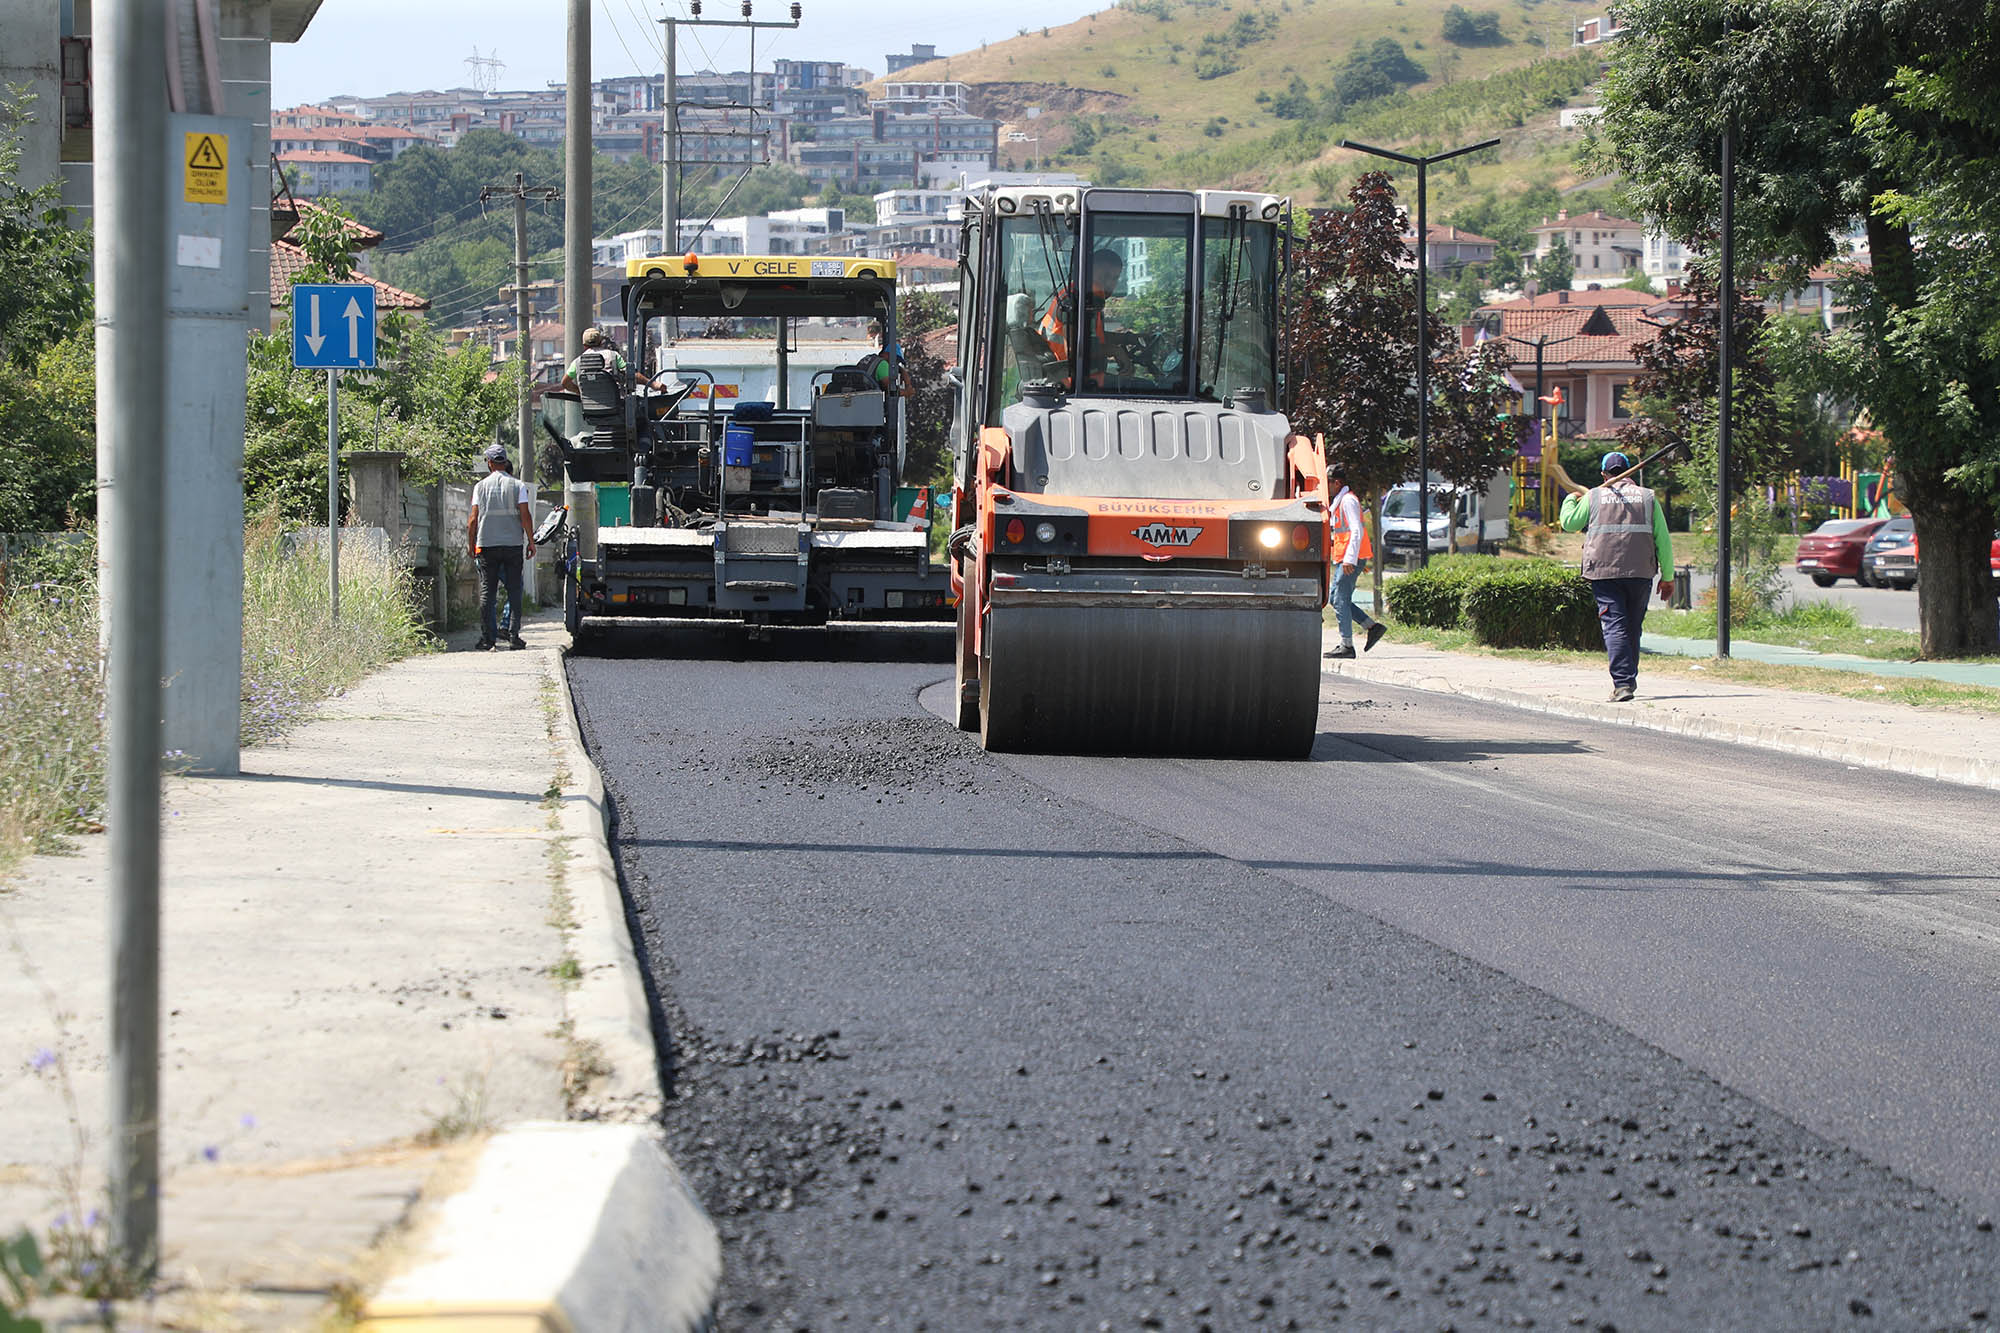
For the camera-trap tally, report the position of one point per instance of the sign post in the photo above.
(319, 342)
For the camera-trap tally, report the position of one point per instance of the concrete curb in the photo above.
(1963, 770)
(565, 1228)
(607, 1007)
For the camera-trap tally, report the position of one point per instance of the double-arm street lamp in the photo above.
(1598, 325)
(1422, 164)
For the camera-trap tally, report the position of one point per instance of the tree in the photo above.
(927, 412)
(1556, 269)
(47, 408)
(1882, 110)
(1462, 27)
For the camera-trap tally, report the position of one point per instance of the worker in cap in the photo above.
(1625, 549)
(599, 354)
(501, 532)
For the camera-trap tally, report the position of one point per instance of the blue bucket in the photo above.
(736, 444)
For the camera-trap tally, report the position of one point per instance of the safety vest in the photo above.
(1348, 528)
(1055, 330)
(1618, 543)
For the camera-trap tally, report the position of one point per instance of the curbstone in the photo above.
(565, 1228)
(607, 1007)
(1962, 770)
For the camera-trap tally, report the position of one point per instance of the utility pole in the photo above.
(132, 267)
(520, 192)
(670, 155)
(579, 293)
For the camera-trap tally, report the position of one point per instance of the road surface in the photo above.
(1887, 608)
(1477, 1019)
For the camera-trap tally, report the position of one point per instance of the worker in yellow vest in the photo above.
(1350, 548)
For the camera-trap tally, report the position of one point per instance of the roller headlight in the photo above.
(1045, 533)
(1270, 537)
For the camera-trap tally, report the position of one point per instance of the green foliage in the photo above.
(21, 1272)
(48, 439)
(1434, 595)
(1533, 604)
(44, 265)
(1471, 422)
(52, 704)
(1556, 268)
(1845, 109)
(1462, 27)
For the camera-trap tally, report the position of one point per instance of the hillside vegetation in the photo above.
(1256, 94)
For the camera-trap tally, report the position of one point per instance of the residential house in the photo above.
(318, 172)
(1448, 249)
(1603, 248)
(1596, 31)
(1586, 340)
(920, 53)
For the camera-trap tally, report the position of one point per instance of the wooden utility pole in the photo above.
(521, 192)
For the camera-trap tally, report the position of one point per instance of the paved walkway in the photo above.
(359, 937)
(1938, 743)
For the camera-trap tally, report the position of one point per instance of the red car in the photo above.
(1993, 558)
(1833, 549)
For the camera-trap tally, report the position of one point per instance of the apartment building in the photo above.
(1604, 248)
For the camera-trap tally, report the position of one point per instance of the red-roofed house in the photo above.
(1604, 248)
(288, 261)
(1586, 341)
(916, 269)
(318, 172)
(1448, 249)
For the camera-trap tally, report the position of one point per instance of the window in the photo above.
(1135, 316)
(1238, 280)
(1036, 254)
(1621, 401)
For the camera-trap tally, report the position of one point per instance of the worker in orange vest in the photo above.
(1106, 267)
(1350, 547)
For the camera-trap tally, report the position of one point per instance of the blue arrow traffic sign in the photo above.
(333, 325)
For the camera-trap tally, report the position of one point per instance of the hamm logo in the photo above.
(1160, 534)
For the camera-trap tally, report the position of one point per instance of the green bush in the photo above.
(1434, 595)
(1533, 604)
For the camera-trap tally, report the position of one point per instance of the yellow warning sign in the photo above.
(207, 174)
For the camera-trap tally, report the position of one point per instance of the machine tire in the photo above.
(967, 708)
(572, 607)
(1823, 580)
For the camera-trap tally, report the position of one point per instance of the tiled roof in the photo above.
(288, 261)
(1439, 231)
(1609, 296)
(1562, 327)
(1597, 219)
(918, 259)
(360, 236)
(315, 155)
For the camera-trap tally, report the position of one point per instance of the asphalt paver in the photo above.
(956, 1041)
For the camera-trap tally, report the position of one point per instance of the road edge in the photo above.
(609, 1017)
(1961, 770)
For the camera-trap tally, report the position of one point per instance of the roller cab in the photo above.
(1140, 542)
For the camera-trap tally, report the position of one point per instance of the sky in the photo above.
(367, 47)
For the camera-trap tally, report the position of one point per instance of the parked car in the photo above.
(1993, 562)
(1897, 532)
(1833, 549)
(1893, 566)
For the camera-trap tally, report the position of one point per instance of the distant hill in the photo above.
(1255, 93)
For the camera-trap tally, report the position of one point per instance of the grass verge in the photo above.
(1806, 680)
(295, 656)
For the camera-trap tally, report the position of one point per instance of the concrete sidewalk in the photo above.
(1951, 746)
(362, 944)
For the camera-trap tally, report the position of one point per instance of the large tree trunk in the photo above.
(1955, 595)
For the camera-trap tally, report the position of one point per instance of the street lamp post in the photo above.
(1598, 325)
(1422, 164)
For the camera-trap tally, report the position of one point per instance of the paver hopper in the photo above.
(1140, 543)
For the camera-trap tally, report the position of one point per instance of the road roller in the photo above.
(1140, 541)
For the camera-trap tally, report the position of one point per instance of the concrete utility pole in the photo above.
(132, 263)
(579, 292)
(520, 191)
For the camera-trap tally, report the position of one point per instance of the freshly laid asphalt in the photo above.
(1478, 1018)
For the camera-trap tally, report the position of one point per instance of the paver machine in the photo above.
(755, 478)
(1140, 540)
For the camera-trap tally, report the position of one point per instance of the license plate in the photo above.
(1804, 561)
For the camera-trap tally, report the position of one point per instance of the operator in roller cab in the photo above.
(1107, 346)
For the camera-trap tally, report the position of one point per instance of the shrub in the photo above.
(1434, 595)
(1532, 604)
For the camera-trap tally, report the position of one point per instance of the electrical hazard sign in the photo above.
(206, 169)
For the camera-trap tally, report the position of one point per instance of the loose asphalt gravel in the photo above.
(1423, 1033)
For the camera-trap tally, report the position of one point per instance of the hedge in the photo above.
(1504, 603)
(1434, 595)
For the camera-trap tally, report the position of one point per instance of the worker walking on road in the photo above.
(1625, 549)
(501, 533)
(1350, 548)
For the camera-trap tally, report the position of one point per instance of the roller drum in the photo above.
(1152, 679)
